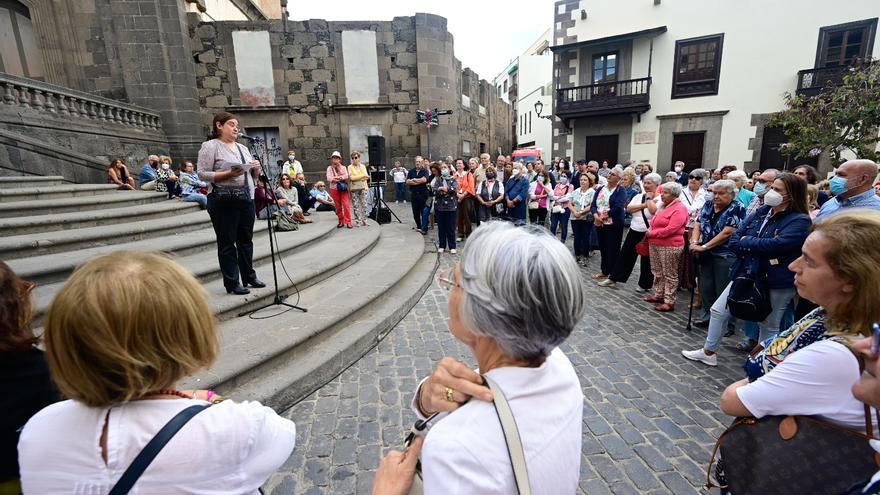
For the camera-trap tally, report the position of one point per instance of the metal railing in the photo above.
(611, 97)
(64, 102)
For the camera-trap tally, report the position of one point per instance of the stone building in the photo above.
(92, 80)
(696, 80)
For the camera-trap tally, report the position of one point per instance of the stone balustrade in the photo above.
(64, 102)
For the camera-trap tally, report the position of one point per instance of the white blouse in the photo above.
(465, 451)
(229, 448)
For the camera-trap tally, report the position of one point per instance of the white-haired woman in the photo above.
(744, 196)
(666, 240)
(505, 276)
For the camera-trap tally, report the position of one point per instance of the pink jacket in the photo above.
(667, 226)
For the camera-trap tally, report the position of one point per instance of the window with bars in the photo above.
(697, 66)
(845, 44)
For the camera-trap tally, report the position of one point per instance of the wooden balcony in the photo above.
(612, 98)
(811, 82)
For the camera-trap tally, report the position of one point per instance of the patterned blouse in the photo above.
(810, 328)
(712, 223)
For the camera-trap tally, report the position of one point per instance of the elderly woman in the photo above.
(322, 197)
(490, 194)
(609, 207)
(665, 240)
(808, 369)
(445, 189)
(642, 207)
(581, 217)
(744, 196)
(718, 220)
(766, 242)
(25, 373)
(119, 366)
(505, 276)
(288, 197)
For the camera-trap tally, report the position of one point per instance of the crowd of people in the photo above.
(106, 383)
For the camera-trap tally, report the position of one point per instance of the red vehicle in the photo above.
(527, 155)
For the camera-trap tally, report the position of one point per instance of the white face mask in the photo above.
(678, 169)
(773, 198)
(165, 166)
(515, 172)
(291, 157)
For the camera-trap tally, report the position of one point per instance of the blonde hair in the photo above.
(852, 236)
(126, 324)
(164, 158)
(320, 183)
(812, 196)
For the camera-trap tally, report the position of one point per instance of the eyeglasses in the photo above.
(446, 280)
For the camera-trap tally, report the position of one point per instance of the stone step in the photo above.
(27, 245)
(30, 181)
(195, 250)
(53, 192)
(118, 199)
(282, 359)
(92, 218)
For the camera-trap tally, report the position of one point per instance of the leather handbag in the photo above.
(781, 455)
(642, 247)
(227, 194)
(511, 437)
(749, 298)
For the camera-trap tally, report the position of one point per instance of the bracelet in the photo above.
(210, 394)
(422, 408)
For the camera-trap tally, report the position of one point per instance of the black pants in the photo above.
(234, 226)
(610, 237)
(581, 231)
(417, 201)
(626, 261)
(538, 216)
(306, 203)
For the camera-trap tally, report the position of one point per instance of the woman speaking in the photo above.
(231, 202)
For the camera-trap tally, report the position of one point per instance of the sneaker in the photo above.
(453, 251)
(458, 239)
(440, 250)
(699, 355)
(607, 283)
(639, 289)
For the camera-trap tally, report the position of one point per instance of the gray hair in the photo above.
(672, 174)
(724, 184)
(522, 287)
(737, 174)
(653, 178)
(473, 160)
(673, 188)
(701, 172)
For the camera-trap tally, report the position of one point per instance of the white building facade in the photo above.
(695, 80)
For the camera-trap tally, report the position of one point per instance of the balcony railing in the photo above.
(811, 82)
(66, 103)
(619, 97)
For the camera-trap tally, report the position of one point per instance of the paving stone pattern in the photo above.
(650, 416)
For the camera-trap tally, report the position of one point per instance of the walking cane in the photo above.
(693, 289)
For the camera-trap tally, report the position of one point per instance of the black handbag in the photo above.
(232, 194)
(749, 297)
(780, 455)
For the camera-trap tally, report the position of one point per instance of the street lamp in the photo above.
(538, 108)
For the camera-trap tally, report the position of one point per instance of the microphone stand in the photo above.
(279, 298)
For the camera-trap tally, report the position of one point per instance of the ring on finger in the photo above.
(450, 394)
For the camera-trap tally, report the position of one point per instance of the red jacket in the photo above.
(667, 226)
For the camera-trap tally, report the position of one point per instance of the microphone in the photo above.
(242, 135)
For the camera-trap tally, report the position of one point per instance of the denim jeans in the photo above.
(714, 277)
(561, 220)
(400, 191)
(199, 198)
(720, 315)
(581, 231)
(445, 228)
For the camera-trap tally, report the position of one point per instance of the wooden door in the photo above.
(601, 148)
(688, 148)
(771, 157)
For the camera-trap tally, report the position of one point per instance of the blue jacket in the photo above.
(775, 247)
(147, 174)
(517, 188)
(616, 203)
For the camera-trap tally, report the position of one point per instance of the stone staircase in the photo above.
(356, 284)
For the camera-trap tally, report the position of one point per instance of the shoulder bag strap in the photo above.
(152, 449)
(512, 438)
(645, 217)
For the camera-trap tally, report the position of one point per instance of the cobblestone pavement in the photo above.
(650, 416)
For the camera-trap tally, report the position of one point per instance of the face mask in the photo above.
(444, 173)
(772, 198)
(837, 185)
(563, 180)
(490, 176)
(165, 166)
(760, 189)
(515, 172)
(541, 178)
(678, 169)
(291, 157)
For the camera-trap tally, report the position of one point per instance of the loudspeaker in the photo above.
(376, 149)
(384, 215)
